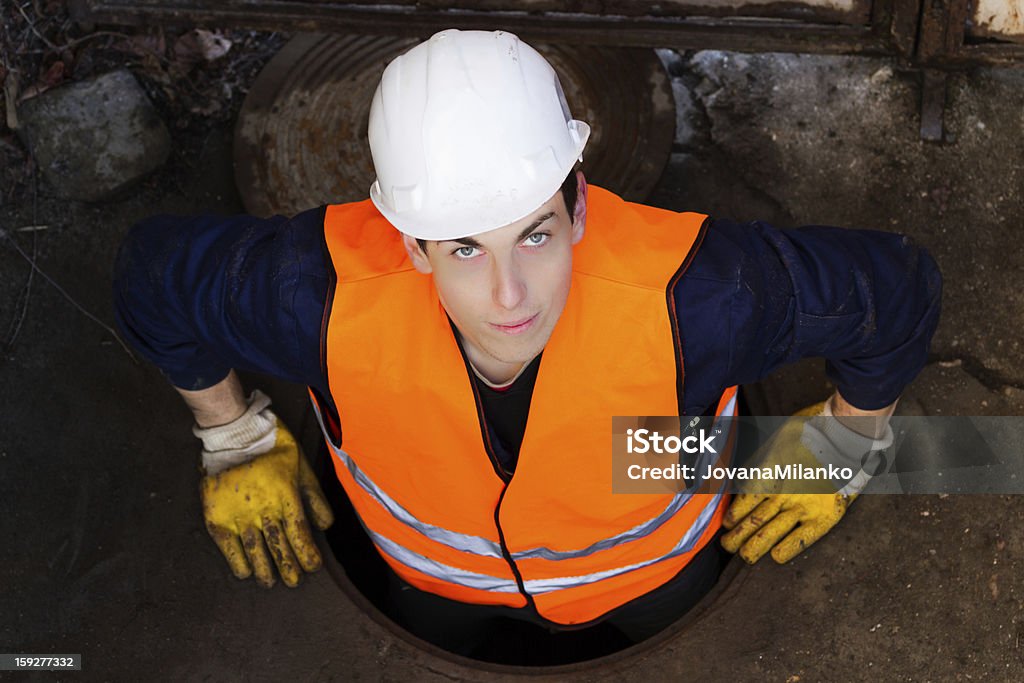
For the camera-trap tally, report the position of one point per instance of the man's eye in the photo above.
(465, 252)
(537, 238)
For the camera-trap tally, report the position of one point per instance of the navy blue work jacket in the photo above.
(203, 294)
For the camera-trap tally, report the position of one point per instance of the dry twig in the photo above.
(71, 299)
(15, 327)
(19, 318)
(32, 27)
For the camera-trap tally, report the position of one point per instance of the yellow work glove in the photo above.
(255, 503)
(786, 523)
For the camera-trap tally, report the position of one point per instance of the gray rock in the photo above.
(95, 137)
(687, 113)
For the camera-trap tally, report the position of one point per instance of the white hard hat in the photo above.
(469, 131)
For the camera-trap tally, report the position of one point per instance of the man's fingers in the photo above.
(252, 543)
(759, 516)
(281, 551)
(319, 510)
(761, 542)
(802, 537)
(296, 528)
(229, 545)
(263, 499)
(740, 508)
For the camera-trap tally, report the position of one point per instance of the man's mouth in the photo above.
(516, 326)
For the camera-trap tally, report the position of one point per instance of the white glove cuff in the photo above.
(850, 441)
(832, 442)
(241, 440)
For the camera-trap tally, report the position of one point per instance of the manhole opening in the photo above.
(508, 642)
(624, 94)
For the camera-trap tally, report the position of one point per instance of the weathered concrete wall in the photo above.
(999, 18)
(841, 5)
(844, 11)
(580, 6)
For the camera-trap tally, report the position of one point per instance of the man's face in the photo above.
(505, 289)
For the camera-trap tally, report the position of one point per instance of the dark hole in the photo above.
(514, 641)
(508, 641)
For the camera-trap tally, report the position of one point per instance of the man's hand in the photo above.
(786, 523)
(760, 521)
(260, 502)
(255, 483)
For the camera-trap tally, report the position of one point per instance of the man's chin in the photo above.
(515, 355)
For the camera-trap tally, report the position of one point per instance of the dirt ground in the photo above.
(104, 552)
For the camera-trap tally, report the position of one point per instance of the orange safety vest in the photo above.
(412, 451)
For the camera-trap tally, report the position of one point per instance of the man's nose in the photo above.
(509, 287)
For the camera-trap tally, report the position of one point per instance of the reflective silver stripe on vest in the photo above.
(730, 407)
(486, 548)
(685, 545)
(468, 579)
(442, 571)
(640, 530)
(453, 539)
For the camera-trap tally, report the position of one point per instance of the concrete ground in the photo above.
(104, 552)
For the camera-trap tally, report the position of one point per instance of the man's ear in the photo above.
(579, 214)
(416, 255)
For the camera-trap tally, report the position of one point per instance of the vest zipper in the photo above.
(506, 478)
(508, 557)
(504, 475)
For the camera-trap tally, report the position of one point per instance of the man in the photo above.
(468, 331)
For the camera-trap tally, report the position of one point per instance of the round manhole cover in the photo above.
(300, 140)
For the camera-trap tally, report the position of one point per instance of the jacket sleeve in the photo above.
(756, 297)
(201, 295)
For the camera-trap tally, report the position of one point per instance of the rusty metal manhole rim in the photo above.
(735, 568)
(299, 140)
